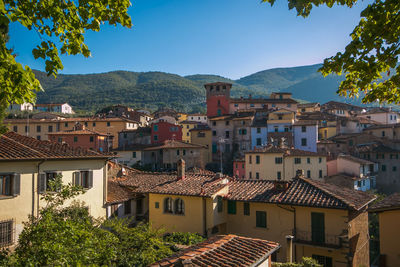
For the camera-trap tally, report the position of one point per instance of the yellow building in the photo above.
(273, 162)
(186, 127)
(26, 166)
(201, 135)
(327, 129)
(389, 234)
(39, 128)
(182, 117)
(281, 116)
(327, 223)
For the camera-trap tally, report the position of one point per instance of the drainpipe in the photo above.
(289, 248)
(37, 190)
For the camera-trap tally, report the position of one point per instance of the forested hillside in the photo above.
(90, 92)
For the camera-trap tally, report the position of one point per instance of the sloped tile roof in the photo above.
(389, 203)
(287, 151)
(300, 192)
(18, 147)
(173, 144)
(223, 250)
(117, 193)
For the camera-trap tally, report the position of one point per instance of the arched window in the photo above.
(179, 206)
(168, 205)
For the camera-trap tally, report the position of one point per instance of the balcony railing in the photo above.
(319, 239)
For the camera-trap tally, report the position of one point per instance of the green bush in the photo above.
(183, 238)
(305, 262)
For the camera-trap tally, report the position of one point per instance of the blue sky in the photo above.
(231, 38)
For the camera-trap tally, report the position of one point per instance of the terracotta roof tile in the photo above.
(223, 250)
(300, 191)
(117, 193)
(18, 147)
(389, 203)
(173, 144)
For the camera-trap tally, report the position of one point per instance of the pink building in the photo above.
(81, 137)
(239, 168)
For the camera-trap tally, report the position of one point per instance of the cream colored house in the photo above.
(279, 163)
(26, 167)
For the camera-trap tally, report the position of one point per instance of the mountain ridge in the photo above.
(90, 92)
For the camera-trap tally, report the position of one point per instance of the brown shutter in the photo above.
(77, 178)
(42, 182)
(90, 182)
(16, 184)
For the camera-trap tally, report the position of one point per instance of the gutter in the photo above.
(37, 189)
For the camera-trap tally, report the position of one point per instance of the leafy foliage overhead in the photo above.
(61, 25)
(370, 60)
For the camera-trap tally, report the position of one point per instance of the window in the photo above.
(286, 129)
(6, 233)
(157, 205)
(108, 124)
(214, 123)
(323, 260)
(184, 152)
(258, 141)
(27, 129)
(60, 139)
(394, 168)
(45, 179)
(139, 206)
(257, 159)
(38, 128)
(303, 141)
(383, 167)
(258, 130)
(303, 129)
(168, 205)
(279, 117)
(83, 178)
(308, 160)
(261, 219)
(317, 227)
(383, 133)
(50, 128)
(114, 210)
(351, 142)
(278, 175)
(177, 152)
(246, 208)
(220, 204)
(214, 148)
(250, 159)
(319, 160)
(226, 134)
(86, 123)
(227, 123)
(278, 160)
(65, 124)
(257, 175)
(91, 139)
(308, 174)
(320, 174)
(358, 183)
(75, 139)
(155, 137)
(127, 207)
(297, 160)
(15, 128)
(38, 137)
(179, 206)
(214, 133)
(9, 184)
(276, 129)
(231, 207)
(250, 175)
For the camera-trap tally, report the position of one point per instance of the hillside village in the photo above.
(282, 179)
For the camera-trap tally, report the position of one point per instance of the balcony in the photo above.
(320, 239)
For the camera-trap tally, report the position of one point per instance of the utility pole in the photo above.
(221, 141)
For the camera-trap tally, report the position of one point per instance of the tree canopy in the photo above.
(61, 25)
(370, 60)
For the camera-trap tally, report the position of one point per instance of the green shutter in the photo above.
(317, 227)
(261, 219)
(231, 207)
(246, 208)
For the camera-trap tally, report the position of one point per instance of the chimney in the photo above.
(289, 248)
(79, 126)
(281, 185)
(181, 169)
(300, 173)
